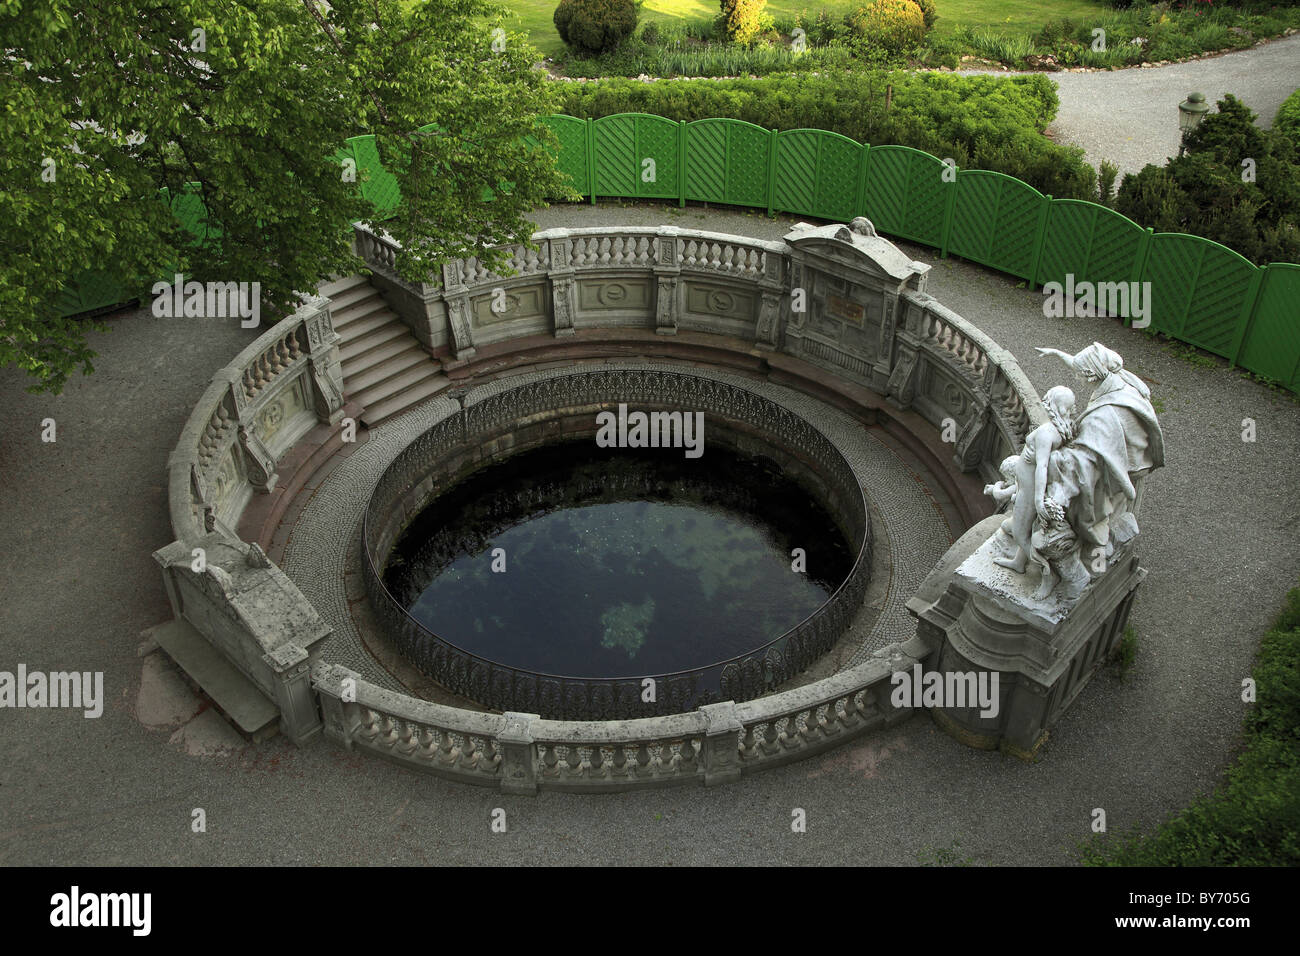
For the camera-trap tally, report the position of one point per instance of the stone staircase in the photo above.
(385, 368)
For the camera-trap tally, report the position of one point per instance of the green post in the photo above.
(861, 205)
(591, 159)
(771, 175)
(1247, 316)
(949, 210)
(681, 163)
(1040, 239)
(1142, 255)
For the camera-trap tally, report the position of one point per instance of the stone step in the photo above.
(408, 357)
(400, 402)
(381, 337)
(334, 287)
(351, 331)
(371, 307)
(341, 302)
(376, 394)
(233, 693)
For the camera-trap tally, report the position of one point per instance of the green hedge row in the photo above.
(1254, 818)
(981, 122)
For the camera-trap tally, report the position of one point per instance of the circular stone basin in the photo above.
(520, 561)
(616, 562)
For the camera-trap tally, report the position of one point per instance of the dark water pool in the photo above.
(617, 562)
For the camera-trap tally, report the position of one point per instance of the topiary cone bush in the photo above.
(744, 20)
(891, 25)
(595, 26)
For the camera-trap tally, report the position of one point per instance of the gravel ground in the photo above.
(81, 516)
(1130, 117)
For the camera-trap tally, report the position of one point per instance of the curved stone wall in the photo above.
(831, 308)
(533, 414)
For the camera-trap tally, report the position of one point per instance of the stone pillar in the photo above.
(300, 719)
(668, 272)
(456, 298)
(982, 620)
(324, 367)
(518, 754)
(721, 750)
(564, 290)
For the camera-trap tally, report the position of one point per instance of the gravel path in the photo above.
(79, 518)
(1130, 117)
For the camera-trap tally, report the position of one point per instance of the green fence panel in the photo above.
(1090, 242)
(996, 221)
(817, 173)
(1198, 288)
(636, 156)
(93, 289)
(906, 194)
(378, 185)
(190, 213)
(1272, 344)
(726, 162)
(572, 158)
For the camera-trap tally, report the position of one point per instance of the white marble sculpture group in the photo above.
(1076, 487)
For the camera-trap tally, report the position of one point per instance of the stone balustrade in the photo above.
(251, 414)
(837, 297)
(524, 753)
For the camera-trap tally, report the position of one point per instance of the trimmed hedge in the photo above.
(981, 122)
(1254, 819)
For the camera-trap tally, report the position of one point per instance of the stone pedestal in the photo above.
(981, 618)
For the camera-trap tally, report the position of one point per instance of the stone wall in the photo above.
(251, 414)
(836, 297)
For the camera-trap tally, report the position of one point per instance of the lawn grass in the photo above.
(1001, 16)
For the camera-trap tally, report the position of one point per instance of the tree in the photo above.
(105, 105)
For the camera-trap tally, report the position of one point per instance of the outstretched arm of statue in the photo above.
(1064, 356)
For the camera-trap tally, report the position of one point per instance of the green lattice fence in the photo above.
(817, 174)
(636, 156)
(1198, 290)
(999, 221)
(95, 289)
(1271, 340)
(572, 157)
(378, 185)
(905, 194)
(1090, 242)
(727, 161)
(1201, 292)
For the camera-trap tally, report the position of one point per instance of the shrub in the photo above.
(1287, 120)
(595, 26)
(1106, 174)
(650, 33)
(744, 20)
(890, 25)
(1203, 192)
(929, 11)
